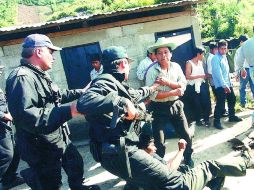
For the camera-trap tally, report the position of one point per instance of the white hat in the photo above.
(161, 42)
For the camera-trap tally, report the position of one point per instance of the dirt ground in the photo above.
(209, 143)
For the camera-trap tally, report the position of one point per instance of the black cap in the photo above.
(39, 40)
(113, 53)
(243, 38)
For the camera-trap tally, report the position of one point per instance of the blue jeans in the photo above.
(243, 84)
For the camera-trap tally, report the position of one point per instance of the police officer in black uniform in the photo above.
(110, 108)
(42, 135)
(9, 157)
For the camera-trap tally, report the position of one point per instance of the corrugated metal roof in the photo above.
(70, 20)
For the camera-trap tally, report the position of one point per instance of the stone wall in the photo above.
(135, 38)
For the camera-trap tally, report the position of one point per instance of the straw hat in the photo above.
(161, 42)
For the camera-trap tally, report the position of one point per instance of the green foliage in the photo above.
(7, 12)
(218, 18)
(43, 2)
(224, 19)
(125, 4)
(86, 7)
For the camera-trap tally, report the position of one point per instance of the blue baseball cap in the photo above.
(113, 53)
(39, 40)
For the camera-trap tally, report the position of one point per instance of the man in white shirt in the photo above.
(247, 79)
(213, 50)
(144, 65)
(165, 103)
(98, 68)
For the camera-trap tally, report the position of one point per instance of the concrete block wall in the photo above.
(135, 38)
(9, 58)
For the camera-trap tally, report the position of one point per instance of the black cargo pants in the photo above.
(45, 165)
(6, 152)
(151, 174)
(164, 112)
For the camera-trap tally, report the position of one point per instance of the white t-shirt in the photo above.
(94, 74)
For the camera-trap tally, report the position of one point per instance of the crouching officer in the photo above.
(42, 135)
(114, 141)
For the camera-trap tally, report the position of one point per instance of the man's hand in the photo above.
(182, 144)
(7, 117)
(131, 110)
(74, 111)
(162, 81)
(243, 73)
(227, 90)
(179, 92)
(154, 86)
(207, 76)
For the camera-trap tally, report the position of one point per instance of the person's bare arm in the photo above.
(165, 94)
(166, 82)
(175, 162)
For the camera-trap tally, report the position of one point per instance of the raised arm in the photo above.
(175, 162)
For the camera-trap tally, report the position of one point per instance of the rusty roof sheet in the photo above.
(70, 20)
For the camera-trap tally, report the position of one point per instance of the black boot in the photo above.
(217, 124)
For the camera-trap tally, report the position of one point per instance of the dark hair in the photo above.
(96, 57)
(222, 43)
(199, 50)
(145, 140)
(27, 52)
(213, 45)
(243, 38)
(147, 53)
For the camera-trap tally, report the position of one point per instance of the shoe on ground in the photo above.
(15, 182)
(199, 123)
(218, 125)
(207, 124)
(225, 114)
(235, 119)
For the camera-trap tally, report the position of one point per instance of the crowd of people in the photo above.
(123, 137)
